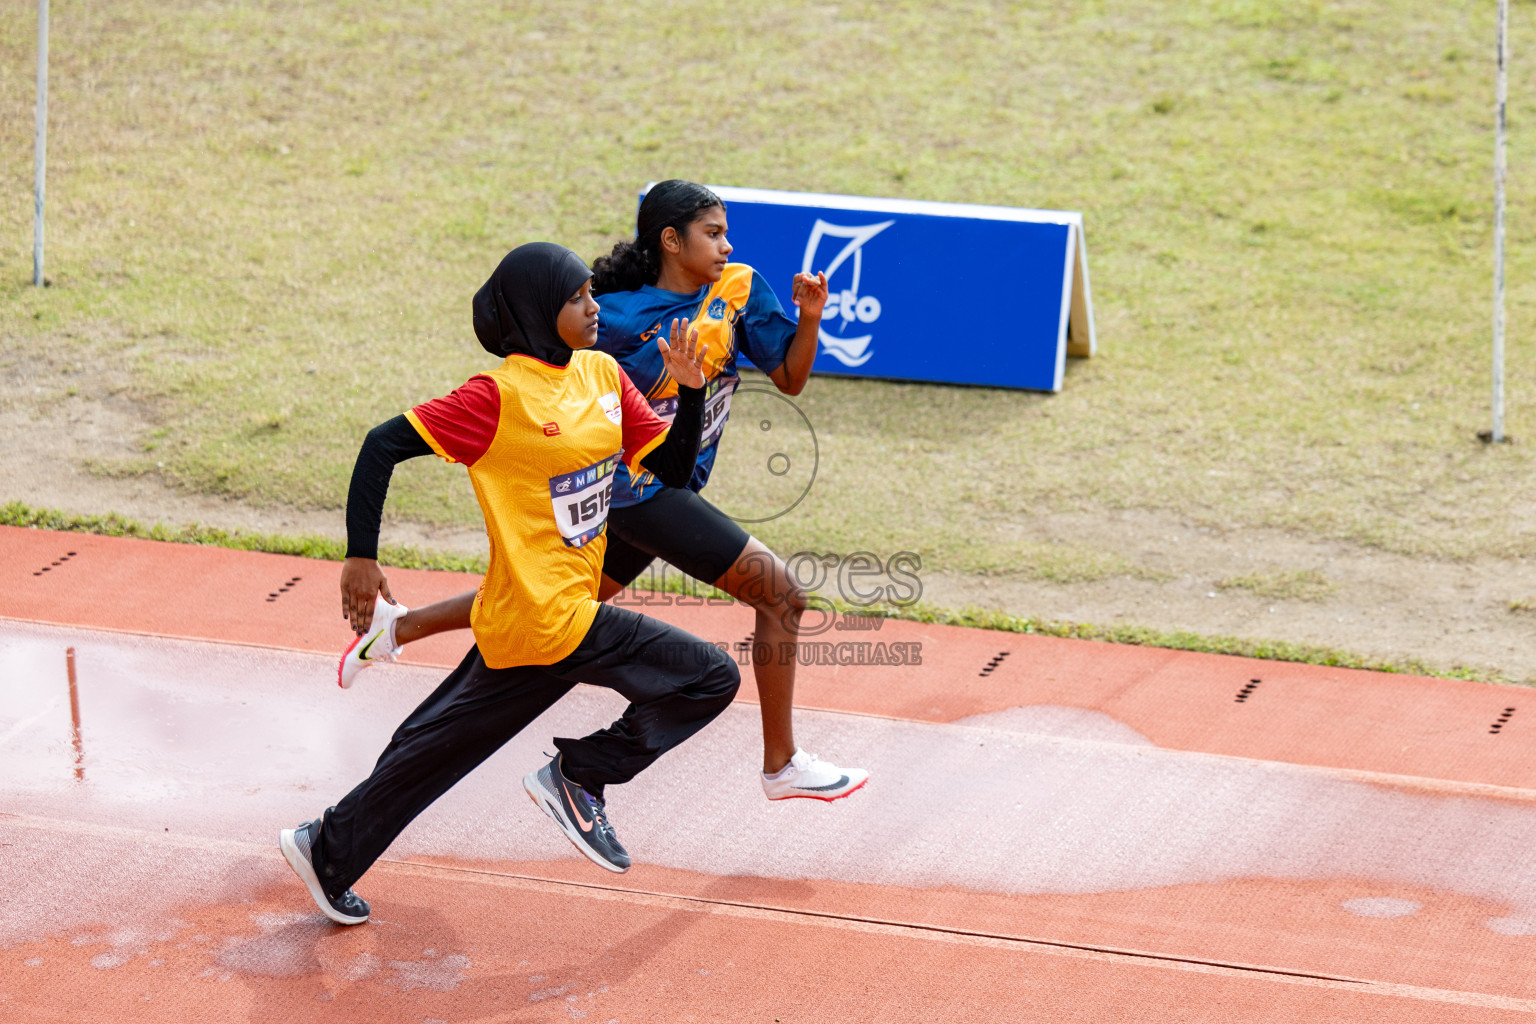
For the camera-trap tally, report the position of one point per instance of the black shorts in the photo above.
(676, 526)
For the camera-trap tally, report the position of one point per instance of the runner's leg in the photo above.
(675, 683)
(684, 529)
(438, 617)
(464, 721)
(622, 562)
(453, 613)
(760, 578)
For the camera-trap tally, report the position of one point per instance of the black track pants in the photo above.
(675, 682)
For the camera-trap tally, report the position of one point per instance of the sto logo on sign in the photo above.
(846, 304)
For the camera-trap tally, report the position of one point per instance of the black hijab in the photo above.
(515, 310)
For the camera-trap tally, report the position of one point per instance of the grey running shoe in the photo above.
(296, 844)
(580, 815)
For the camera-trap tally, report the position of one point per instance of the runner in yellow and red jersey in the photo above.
(542, 435)
(678, 266)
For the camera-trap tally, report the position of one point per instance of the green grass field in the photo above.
(273, 217)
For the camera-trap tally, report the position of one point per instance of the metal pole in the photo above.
(41, 179)
(1498, 226)
(74, 715)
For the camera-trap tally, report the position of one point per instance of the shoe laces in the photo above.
(600, 816)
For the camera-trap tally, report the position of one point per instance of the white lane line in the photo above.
(27, 723)
(728, 908)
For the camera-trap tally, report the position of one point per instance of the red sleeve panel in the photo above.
(643, 429)
(460, 426)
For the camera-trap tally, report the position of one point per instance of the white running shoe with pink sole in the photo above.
(374, 646)
(809, 777)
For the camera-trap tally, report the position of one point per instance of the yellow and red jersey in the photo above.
(542, 444)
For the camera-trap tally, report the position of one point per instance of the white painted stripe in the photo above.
(1066, 307)
(870, 204)
(27, 723)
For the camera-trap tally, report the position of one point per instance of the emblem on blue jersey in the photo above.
(716, 309)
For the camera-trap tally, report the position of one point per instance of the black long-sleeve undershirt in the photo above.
(394, 441)
(386, 446)
(673, 460)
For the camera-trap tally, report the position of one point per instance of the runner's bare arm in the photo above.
(388, 444)
(810, 294)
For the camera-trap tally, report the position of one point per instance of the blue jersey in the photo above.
(738, 313)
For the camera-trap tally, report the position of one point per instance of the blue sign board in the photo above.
(942, 292)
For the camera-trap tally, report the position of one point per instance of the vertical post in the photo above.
(41, 171)
(74, 716)
(1497, 434)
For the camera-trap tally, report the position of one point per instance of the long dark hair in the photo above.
(669, 204)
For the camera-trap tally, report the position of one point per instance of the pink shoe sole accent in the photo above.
(343, 663)
(823, 799)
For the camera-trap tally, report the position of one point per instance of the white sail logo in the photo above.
(847, 303)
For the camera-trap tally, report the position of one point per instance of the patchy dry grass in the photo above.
(1302, 585)
(275, 214)
(14, 513)
(1056, 563)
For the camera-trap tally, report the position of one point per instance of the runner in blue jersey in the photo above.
(743, 317)
(677, 269)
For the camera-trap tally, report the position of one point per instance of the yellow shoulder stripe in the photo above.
(632, 460)
(426, 435)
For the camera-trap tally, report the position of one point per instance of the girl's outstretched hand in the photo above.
(684, 358)
(810, 293)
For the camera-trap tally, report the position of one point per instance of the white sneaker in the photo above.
(374, 646)
(806, 775)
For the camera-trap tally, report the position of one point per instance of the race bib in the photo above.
(580, 501)
(717, 408)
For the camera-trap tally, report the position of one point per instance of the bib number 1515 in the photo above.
(590, 507)
(580, 500)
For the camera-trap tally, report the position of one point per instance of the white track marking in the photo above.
(27, 723)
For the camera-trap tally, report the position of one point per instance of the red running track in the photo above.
(1339, 845)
